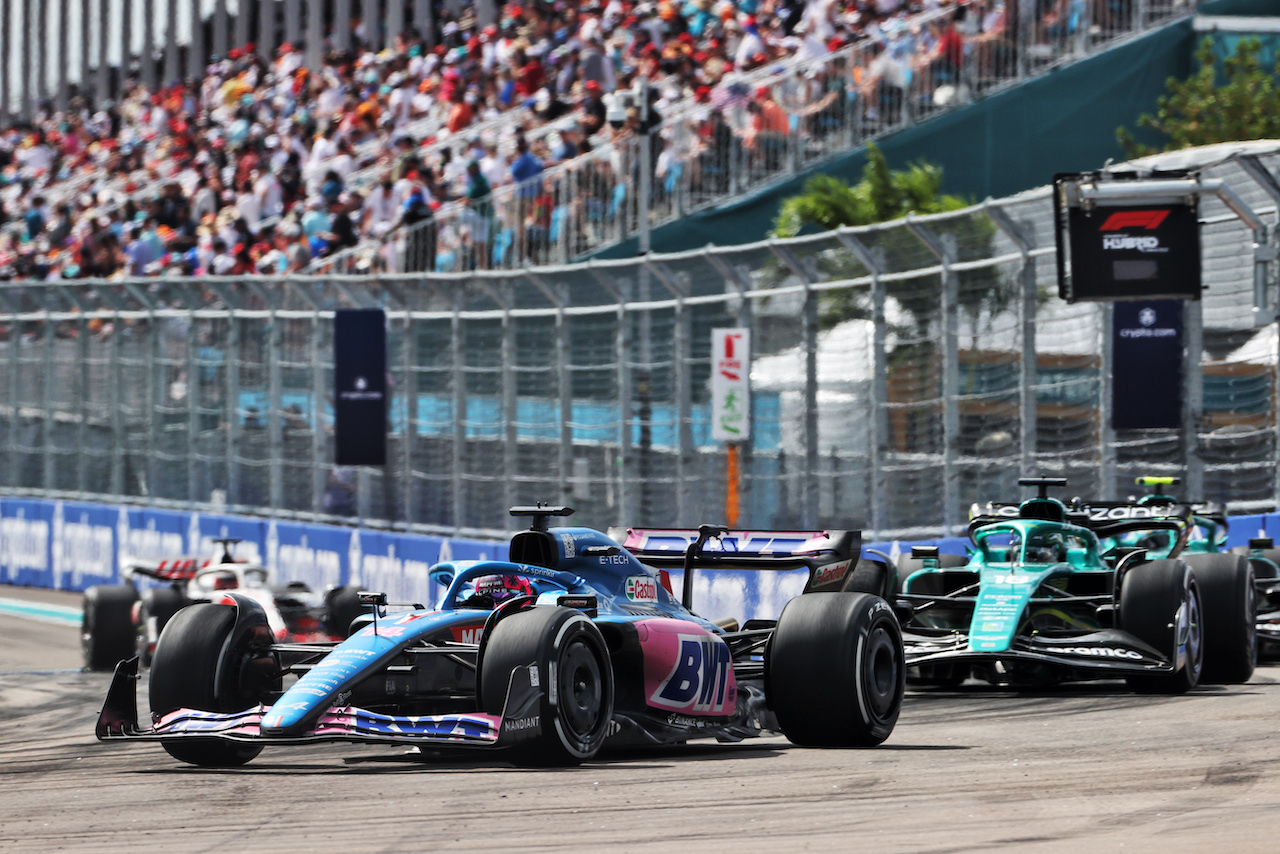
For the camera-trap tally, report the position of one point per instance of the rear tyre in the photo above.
(184, 675)
(1160, 605)
(343, 607)
(834, 671)
(160, 604)
(106, 628)
(1227, 599)
(576, 676)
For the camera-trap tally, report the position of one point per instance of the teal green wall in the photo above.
(1064, 121)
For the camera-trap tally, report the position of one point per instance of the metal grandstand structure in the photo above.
(900, 372)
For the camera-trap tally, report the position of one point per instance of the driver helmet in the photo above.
(503, 587)
(224, 581)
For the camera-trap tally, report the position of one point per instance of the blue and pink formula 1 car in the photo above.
(575, 640)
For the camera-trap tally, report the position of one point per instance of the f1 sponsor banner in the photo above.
(731, 384)
(72, 546)
(1146, 365)
(25, 528)
(360, 393)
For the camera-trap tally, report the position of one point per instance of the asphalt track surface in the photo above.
(1091, 768)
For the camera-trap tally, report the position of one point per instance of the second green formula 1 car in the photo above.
(1046, 596)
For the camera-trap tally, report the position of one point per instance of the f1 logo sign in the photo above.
(1134, 219)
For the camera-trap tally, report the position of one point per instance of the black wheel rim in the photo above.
(1251, 620)
(1194, 646)
(883, 672)
(581, 689)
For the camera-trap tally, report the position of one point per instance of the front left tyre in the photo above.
(1160, 605)
(185, 674)
(570, 664)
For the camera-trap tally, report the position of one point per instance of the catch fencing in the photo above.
(899, 373)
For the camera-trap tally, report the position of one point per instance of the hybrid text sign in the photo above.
(1127, 248)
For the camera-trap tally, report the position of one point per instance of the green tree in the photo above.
(881, 196)
(1208, 107)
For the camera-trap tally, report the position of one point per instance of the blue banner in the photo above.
(72, 545)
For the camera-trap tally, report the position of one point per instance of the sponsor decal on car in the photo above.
(569, 549)
(1102, 652)
(642, 588)
(521, 723)
(831, 573)
(466, 634)
(687, 670)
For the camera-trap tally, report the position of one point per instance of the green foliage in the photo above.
(881, 196)
(1199, 111)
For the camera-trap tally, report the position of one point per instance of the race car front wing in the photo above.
(1106, 651)
(118, 721)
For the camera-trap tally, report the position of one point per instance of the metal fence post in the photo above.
(510, 402)
(275, 437)
(319, 391)
(809, 341)
(154, 403)
(82, 409)
(944, 248)
(116, 387)
(624, 502)
(47, 394)
(410, 439)
(739, 282)
(193, 410)
(1023, 236)
(878, 447)
(1106, 433)
(1193, 401)
(459, 380)
(680, 358)
(232, 410)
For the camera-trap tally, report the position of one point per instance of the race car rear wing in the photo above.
(169, 569)
(829, 556)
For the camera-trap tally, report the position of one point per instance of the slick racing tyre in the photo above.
(106, 629)
(1160, 605)
(158, 604)
(184, 675)
(574, 674)
(342, 607)
(1227, 594)
(834, 671)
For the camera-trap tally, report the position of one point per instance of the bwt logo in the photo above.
(1134, 219)
(700, 677)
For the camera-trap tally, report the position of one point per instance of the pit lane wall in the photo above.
(65, 545)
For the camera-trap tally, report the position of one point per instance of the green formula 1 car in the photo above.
(1050, 594)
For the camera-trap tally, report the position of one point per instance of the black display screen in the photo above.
(1132, 252)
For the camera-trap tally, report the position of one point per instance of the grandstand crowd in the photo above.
(265, 165)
